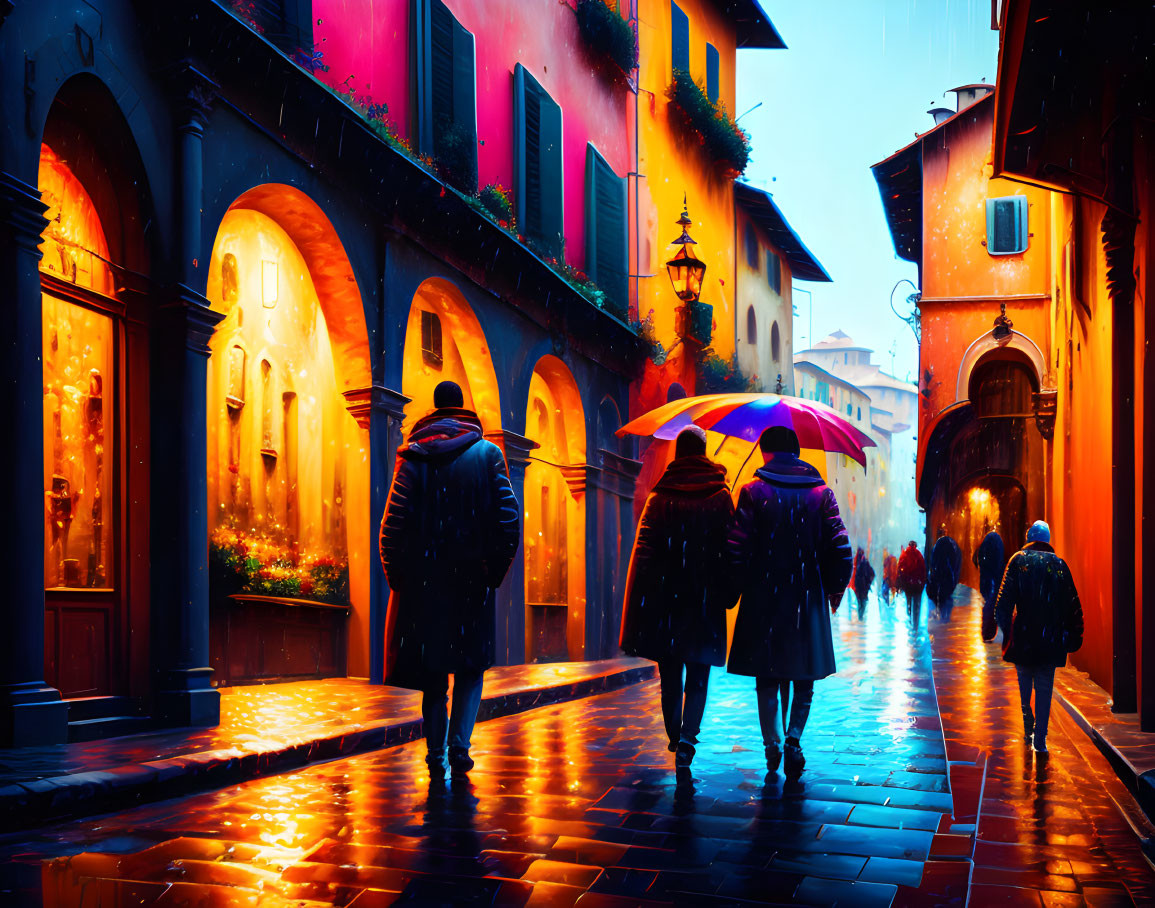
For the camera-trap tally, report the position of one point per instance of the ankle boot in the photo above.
(795, 761)
(773, 757)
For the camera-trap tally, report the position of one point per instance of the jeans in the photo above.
(683, 717)
(1042, 679)
(459, 725)
(768, 692)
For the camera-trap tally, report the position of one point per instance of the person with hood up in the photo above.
(450, 532)
(911, 577)
(889, 576)
(1042, 621)
(990, 558)
(790, 555)
(677, 588)
(861, 580)
(945, 568)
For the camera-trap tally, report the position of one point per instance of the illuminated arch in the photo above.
(554, 499)
(986, 347)
(464, 356)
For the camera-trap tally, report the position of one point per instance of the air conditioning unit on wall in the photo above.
(1007, 225)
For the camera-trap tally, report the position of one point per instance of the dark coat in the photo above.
(678, 589)
(1038, 608)
(945, 567)
(991, 559)
(790, 554)
(911, 571)
(449, 535)
(863, 578)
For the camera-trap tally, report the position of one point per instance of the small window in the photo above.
(679, 38)
(751, 326)
(774, 271)
(268, 396)
(860, 412)
(850, 409)
(1007, 225)
(712, 73)
(845, 358)
(431, 339)
(751, 247)
(236, 394)
(775, 343)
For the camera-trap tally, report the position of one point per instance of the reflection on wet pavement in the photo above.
(577, 804)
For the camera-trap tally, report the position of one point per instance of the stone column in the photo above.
(511, 594)
(31, 712)
(381, 411)
(184, 324)
(609, 543)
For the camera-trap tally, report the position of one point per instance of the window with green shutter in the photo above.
(445, 102)
(607, 255)
(712, 73)
(538, 190)
(751, 247)
(774, 271)
(679, 38)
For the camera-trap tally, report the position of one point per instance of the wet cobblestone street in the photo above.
(577, 804)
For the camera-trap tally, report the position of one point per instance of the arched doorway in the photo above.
(555, 532)
(288, 465)
(95, 317)
(444, 342)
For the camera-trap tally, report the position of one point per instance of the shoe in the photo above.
(795, 761)
(459, 761)
(1041, 747)
(684, 755)
(773, 757)
(436, 764)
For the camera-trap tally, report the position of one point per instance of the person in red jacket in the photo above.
(911, 576)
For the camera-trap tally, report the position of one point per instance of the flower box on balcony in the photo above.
(695, 323)
(608, 34)
(720, 137)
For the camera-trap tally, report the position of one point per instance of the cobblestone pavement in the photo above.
(577, 804)
(1057, 831)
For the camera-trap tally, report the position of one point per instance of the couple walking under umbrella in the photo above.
(784, 550)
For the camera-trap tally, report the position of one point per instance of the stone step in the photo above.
(80, 708)
(107, 727)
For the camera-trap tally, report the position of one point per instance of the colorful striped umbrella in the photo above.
(747, 416)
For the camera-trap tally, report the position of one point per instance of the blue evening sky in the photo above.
(852, 87)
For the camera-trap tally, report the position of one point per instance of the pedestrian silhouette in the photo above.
(889, 576)
(943, 574)
(448, 537)
(912, 578)
(791, 556)
(678, 587)
(990, 558)
(1042, 621)
(861, 580)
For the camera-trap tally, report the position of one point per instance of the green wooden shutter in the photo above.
(538, 163)
(712, 73)
(445, 95)
(679, 38)
(607, 255)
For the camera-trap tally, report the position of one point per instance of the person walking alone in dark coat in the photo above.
(990, 558)
(912, 578)
(945, 567)
(790, 554)
(889, 576)
(678, 589)
(861, 580)
(449, 535)
(1042, 621)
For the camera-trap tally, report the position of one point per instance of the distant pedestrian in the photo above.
(889, 576)
(1042, 621)
(861, 580)
(943, 573)
(678, 587)
(449, 535)
(912, 577)
(789, 552)
(990, 558)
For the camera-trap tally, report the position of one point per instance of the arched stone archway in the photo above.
(1018, 345)
(554, 503)
(444, 341)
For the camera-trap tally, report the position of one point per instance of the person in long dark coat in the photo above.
(944, 570)
(912, 577)
(791, 556)
(1041, 618)
(448, 537)
(991, 559)
(889, 576)
(678, 587)
(861, 580)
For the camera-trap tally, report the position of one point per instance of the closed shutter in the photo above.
(445, 102)
(539, 192)
(774, 271)
(679, 38)
(607, 256)
(712, 73)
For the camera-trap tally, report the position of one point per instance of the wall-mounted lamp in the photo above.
(269, 279)
(685, 269)
(1003, 326)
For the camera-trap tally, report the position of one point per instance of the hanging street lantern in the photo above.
(686, 269)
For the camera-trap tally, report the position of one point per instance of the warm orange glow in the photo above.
(74, 246)
(555, 515)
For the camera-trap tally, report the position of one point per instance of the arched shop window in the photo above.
(775, 342)
(751, 326)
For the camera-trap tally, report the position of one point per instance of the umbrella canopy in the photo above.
(747, 416)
